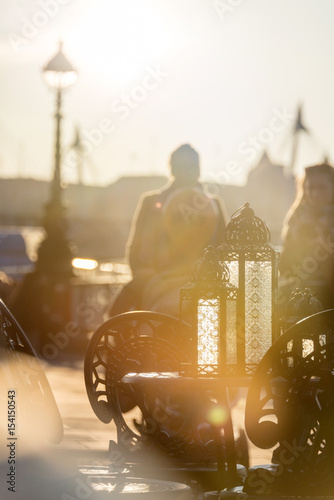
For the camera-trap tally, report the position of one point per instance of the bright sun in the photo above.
(117, 39)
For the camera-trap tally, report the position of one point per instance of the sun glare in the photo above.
(118, 39)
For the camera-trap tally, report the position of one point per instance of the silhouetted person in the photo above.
(307, 258)
(171, 227)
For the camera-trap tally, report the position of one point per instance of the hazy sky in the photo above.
(225, 75)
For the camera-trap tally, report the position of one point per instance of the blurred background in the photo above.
(247, 82)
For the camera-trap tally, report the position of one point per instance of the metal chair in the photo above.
(21, 372)
(160, 432)
(290, 403)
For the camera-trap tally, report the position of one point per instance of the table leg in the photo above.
(226, 450)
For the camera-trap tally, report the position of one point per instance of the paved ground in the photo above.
(84, 433)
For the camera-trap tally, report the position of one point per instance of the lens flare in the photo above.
(217, 416)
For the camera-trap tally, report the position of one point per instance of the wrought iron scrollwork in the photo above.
(209, 270)
(291, 403)
(246, 228)
(163, 421)
(20, 368)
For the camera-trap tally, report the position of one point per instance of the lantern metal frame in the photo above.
(239, 280)
(210, 288)
(252, 262)
(249, 256)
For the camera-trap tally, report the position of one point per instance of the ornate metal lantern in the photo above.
(252, 264)
(214, 315)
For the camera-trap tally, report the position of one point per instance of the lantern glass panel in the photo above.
(258, 310)
(233, 268)
(231, 332)
(208, 341)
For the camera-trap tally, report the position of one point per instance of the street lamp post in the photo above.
(55, 254)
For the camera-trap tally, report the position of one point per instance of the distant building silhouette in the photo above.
(100, 216)
(270, 191)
